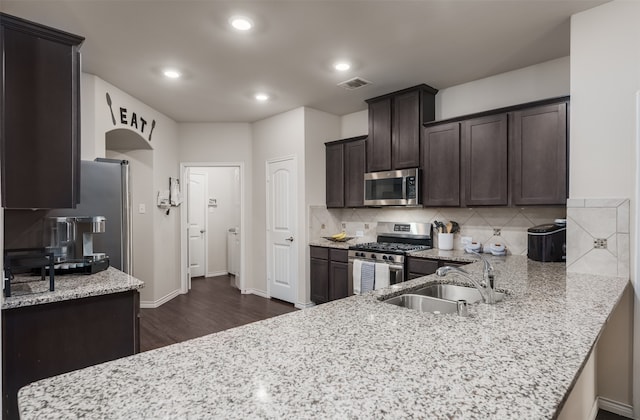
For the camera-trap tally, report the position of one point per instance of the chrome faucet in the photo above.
(486, 287)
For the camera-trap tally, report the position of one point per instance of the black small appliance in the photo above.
(548, 243)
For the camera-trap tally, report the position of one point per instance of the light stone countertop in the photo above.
(362, 358)
(31, 290)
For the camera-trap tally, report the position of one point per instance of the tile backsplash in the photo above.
(485, 225)
(598, 236)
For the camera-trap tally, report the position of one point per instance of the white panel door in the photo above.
(282, 244)
(196, 223)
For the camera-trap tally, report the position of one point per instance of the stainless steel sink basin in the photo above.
(454, 293)
(424, 303)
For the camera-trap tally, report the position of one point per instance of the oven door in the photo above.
(396, 273)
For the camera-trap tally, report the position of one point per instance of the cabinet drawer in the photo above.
(319, 252)
(339, 255)
(422, 266)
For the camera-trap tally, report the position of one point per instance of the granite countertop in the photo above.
(362, 358)
(325, 243)
(30, 290)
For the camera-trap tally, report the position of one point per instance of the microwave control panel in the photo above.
(411, 187)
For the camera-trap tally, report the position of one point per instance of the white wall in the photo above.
(355, 124)
(605, 76)
(164, 282)
(275, 137)
(540, 81)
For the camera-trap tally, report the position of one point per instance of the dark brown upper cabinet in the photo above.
(440, 163)
(40, 118)
(484, 161)
(538, 155)
(345, 168)
(395, 122)
(334, 174)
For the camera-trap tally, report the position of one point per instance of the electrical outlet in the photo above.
(366, 225)
(497, 232)
(600, 243)
(344, 225)
(322, 226)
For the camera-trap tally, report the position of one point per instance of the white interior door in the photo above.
(282, 244)
(196, 223)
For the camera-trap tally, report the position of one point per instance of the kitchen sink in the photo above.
(454, 293)
(424, 303)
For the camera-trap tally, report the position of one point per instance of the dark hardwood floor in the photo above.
(212, 305)
(606, 415)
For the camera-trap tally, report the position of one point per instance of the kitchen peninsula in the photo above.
(87, 319)
(362, 358)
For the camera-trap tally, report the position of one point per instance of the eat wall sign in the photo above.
(131, 119)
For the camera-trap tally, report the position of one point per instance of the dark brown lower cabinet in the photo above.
(329, 275)
(45, 340)
(418, 267)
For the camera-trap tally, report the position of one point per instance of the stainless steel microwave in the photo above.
(392, 188)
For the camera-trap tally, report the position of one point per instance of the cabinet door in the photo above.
(421, 266)
(338, 280)
(40, 121)
(319, 277)
(335, 175)
(538, 147)
(484, 161)
(379, 143)
(405, 135)
(355, 155)
(440, 164)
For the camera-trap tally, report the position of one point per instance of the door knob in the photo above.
(202, 231)
(290, 239)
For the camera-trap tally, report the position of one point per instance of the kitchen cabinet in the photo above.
(419, 267)
(538, 155)
(45, 340)
(440, 163)
(345, 168)
(395, 122)
(484, 161)
(329, 274)
(40, 117)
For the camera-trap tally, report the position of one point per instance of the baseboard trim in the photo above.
(615, 407)
(304, 305)
(257, 292)
(594, 410)
(216, 274)
(162, 300)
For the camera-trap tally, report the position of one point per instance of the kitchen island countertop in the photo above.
(362, 358)
(68, 287)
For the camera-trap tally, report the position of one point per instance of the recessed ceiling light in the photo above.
(261, 97)
(342, 66)
(172, 74)
(241, 23)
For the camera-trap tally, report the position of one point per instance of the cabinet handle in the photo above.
(290, 239)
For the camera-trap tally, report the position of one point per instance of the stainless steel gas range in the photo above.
(394, 242)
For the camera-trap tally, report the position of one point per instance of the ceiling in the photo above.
(290, 52)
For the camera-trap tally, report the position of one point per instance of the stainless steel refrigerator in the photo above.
(104, 191)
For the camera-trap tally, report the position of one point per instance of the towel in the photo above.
(382, 276)
(367, 276)
(357, 271)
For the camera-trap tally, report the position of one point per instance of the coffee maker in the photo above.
(70, 240)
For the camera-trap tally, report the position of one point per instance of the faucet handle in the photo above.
(463, 309)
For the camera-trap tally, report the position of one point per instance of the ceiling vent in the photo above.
(355, 83)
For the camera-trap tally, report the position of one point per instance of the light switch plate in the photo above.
(142, 208)
(359, 233)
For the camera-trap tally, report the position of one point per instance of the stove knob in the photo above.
(390, 258)
(384, 257)
(373, 256)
